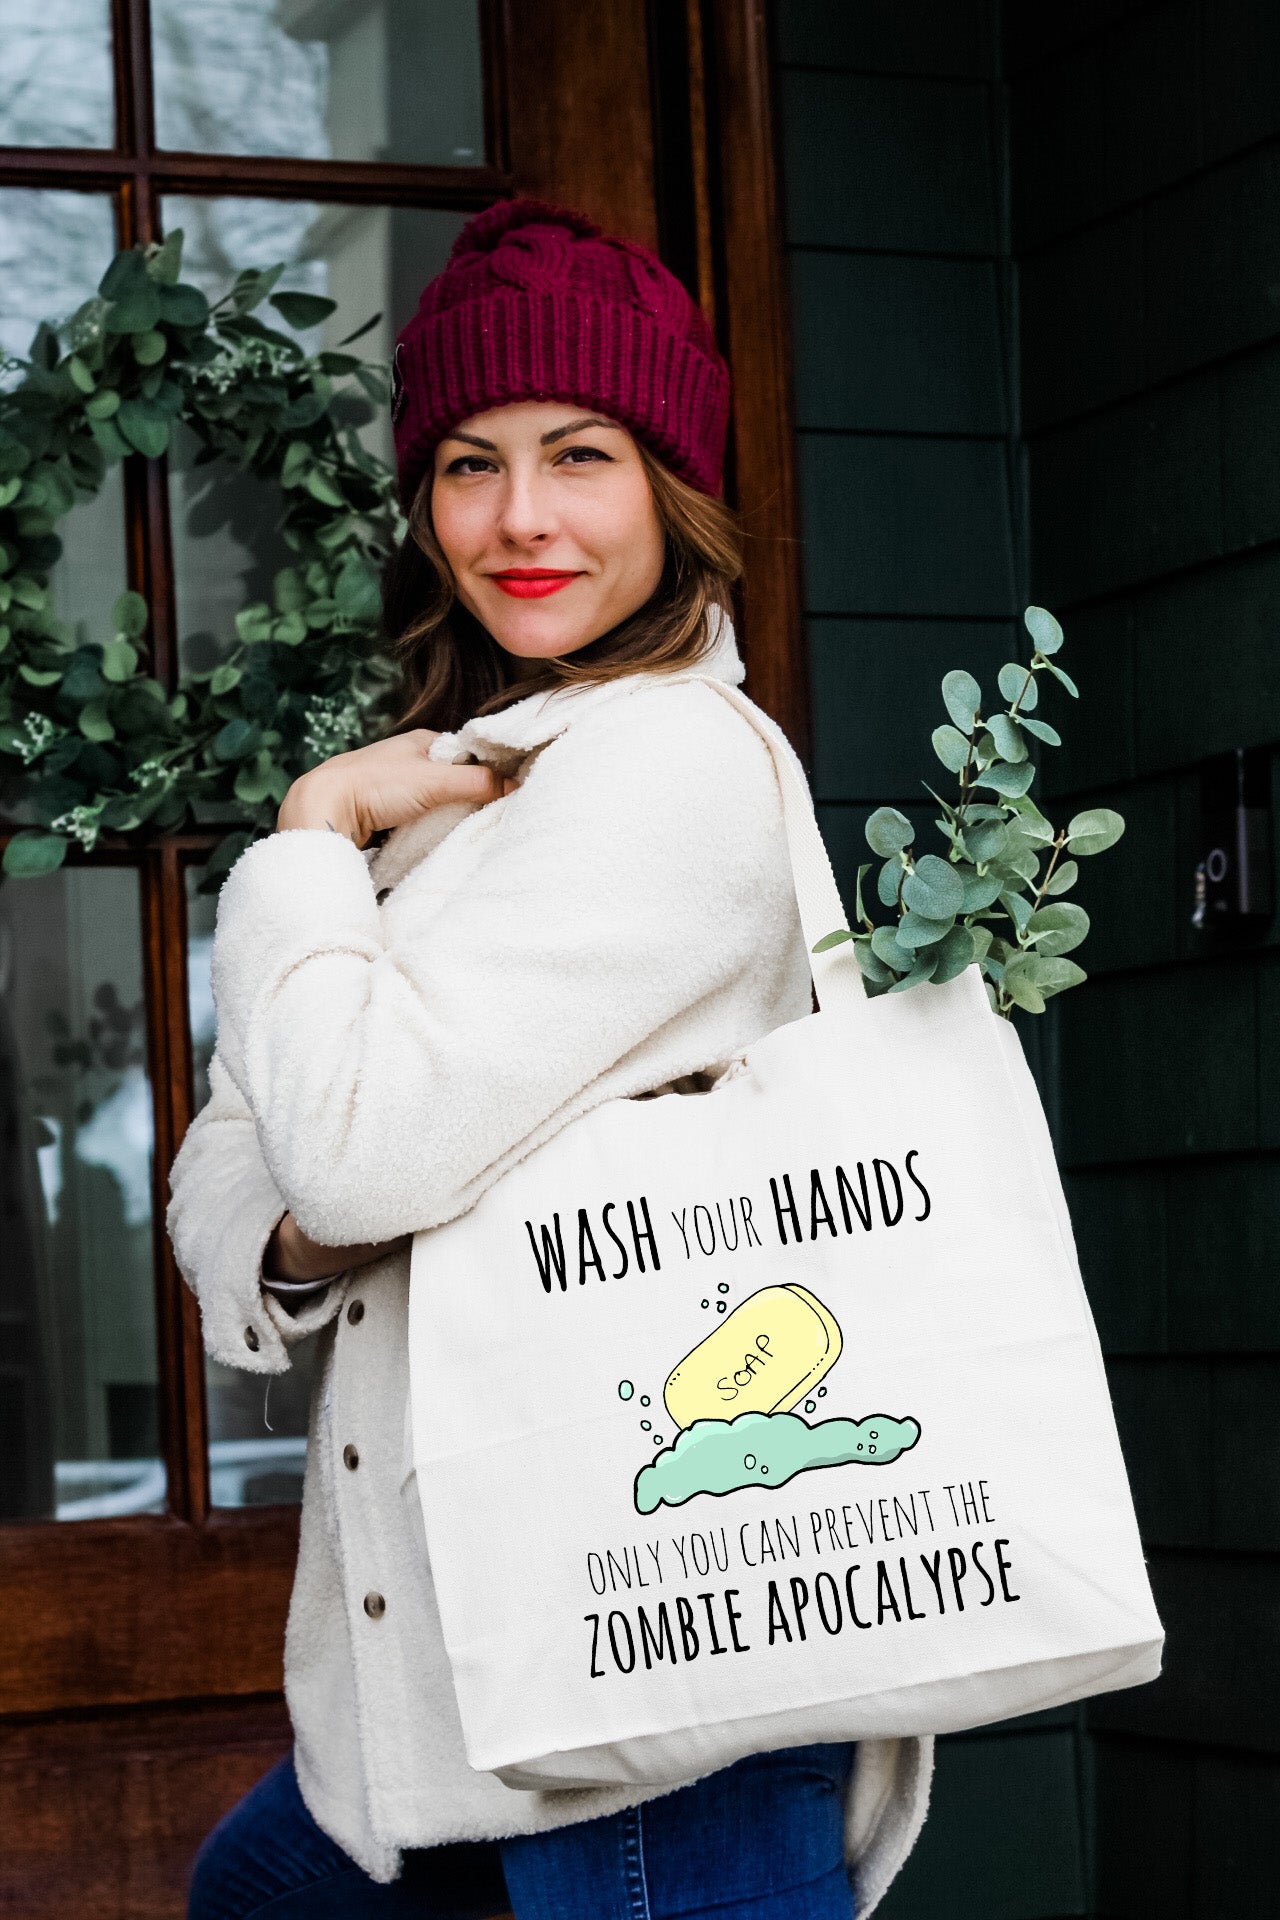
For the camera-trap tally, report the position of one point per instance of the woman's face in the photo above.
(545, 515)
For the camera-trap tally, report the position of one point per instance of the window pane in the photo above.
(226, 544)
(55, 73)
(54, 249)
(79, 1396)
(257, 1432)
(324, 79)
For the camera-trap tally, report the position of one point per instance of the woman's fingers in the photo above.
(467, 783)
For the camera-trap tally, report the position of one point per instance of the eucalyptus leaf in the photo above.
(1018, 909)
(95, 722)
(982, 891)
(1010, 744)
(981, 938)
(129, 615)
(888, 880)
(236, 739)
(1020, 986)
(955, 953)
(1043, 628)
(1065, 678)
(145, 426)
(915, 931)
(888, 831)
(830, 940)
(1094, 831)
(987, 841)
(1058, 928)
(31, 853)
(924, 969)
(1017, 683)
(254, 623)
(1063, 878)
(886, 949)
(962, 697)
(149, 348)
(951, 747)
(135, 312)
(1030, 823)
(321, 488)
(934, 889)
(303, 310)
(859, 910)
(872, 968)
(356, 591)
(164, 262)
(1011, 781)
(1042, 730)
(183, 306)
(127, 274)
(119, 660)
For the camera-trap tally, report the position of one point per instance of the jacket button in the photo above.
(350, 1458)
(355, 1312)
(251, 1339)
(374, 1605)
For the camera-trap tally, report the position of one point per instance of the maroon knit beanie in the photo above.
(537, 303)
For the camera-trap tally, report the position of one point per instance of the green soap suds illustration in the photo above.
(720, 1456)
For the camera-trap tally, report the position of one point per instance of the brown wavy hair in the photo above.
(452, 668)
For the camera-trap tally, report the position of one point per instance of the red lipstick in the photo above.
(532, 583)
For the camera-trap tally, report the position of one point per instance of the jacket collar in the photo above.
(540, 717)
(504, 739)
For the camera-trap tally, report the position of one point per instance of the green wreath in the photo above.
(94, 740)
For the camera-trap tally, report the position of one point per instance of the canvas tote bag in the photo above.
(775, 1414)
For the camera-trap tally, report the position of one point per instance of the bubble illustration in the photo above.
(706, 1303)
(822, 1393)
(719, 1306)
(657, 1439)
(723, 1287)
(710, 1456)
(644, 1399)
(645, 1425)
(625, 1389)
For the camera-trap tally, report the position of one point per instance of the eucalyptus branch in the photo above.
(986, 902)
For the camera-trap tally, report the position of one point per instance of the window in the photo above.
(283, 131)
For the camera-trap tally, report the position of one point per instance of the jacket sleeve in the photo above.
(390, 1063)
(223, 1205)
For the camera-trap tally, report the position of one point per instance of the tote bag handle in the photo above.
(837, 978)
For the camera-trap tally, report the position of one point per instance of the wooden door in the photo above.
(141, 1630)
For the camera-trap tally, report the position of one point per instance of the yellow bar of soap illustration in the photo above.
(766, 1356)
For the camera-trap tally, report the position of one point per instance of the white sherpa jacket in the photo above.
(396, 1027)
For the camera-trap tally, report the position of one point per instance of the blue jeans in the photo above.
(760, 1840)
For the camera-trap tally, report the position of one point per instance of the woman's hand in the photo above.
(386, 784)
(290, 1255)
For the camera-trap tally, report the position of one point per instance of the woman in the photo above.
(584, 895)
